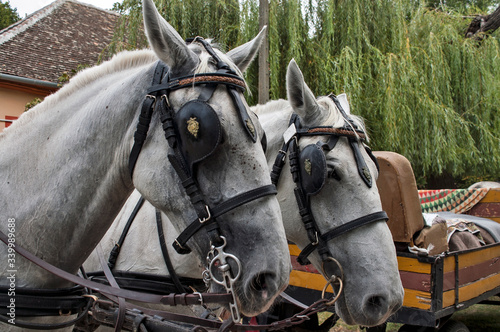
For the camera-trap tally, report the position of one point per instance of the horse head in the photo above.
(213, 173)
(341, 227)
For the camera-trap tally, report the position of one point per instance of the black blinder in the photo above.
(313, 171)
(199, 131)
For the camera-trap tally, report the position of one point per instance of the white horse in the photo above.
(64, 170)
(372, 287)
(485, 184)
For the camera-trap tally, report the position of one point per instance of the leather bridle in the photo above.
(157, 100)
(184, 162)
(305, 189)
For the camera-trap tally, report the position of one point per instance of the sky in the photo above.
(26, 7)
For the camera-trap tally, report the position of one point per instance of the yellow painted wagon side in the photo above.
(435, 286)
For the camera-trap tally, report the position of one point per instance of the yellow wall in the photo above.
(12, 102)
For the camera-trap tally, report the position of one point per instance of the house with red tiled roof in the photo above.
(37, 50)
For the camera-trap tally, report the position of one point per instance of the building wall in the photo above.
(12, 103)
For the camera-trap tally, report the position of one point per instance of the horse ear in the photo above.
(243, 55)
(165, 41)
(300, 96)
(344, 102)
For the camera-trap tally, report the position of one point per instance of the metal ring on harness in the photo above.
(331, 259)
(332, 279)
(68, 313)
(201, 297)
(93, 297)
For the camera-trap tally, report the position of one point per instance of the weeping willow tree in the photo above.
(424, 89)
(218, 19)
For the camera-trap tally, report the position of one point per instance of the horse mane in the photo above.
(122, 61)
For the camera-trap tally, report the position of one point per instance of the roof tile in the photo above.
(55, 39)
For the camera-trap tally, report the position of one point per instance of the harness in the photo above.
(309, 171)
(193, 134)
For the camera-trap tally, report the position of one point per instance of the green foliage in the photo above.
(32, 104)
(66, 76)
(424, 90)
(462, 4)
(219, 20)
(8, 15)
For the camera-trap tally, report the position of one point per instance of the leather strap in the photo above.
(230, 80)
(342, 229)
(166, 256)
(243, 114)
(148, 283)
(171, 299)
(145, 119)
(113, 256)
(224, 207)
(112, 282)
(363, 170)
(296, 319)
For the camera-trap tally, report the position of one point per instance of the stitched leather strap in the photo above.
(145, 119)
(171, 299)
(230, 204)
(342, 229)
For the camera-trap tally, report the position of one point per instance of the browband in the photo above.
(205, 78)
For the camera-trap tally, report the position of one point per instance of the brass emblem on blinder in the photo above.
(367, 174)
(308, 166)
(193, 126)
(250, 126)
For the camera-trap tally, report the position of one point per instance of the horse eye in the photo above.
(222, 137)
(333, 174)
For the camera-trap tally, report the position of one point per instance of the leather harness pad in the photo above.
(199, 129)
(313, 169)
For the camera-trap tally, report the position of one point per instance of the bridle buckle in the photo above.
(207, 218)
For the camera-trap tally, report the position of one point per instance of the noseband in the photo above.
(309, 172)
(193, 134)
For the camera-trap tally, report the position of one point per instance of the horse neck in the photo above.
(64, 171)
(274, 117)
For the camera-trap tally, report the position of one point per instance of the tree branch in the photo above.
(484, 23)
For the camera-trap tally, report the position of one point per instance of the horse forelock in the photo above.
(336, 117)
(207, 63)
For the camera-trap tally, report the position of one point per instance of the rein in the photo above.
(170, 299)
(133, 310)
(308, 168)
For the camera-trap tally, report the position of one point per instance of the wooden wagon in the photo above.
(436, 285)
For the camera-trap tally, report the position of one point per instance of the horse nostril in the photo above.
(375, 307)
(374, 301)
(259, 282)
